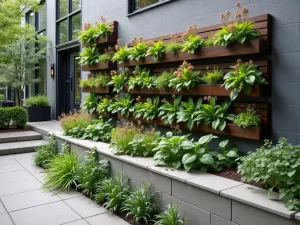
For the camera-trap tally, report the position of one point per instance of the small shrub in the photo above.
(171, 216)
(214, 76)
(248, 118)
(163, 80)
(2, 97)
(45, 153)
(19, 116)
(90, 172)
(75, 119)
(140, 205)
(61, 172)
(277, 167)
(5, 117)
(113, 192)
(37, 101)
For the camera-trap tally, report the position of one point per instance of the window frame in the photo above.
(68, 18)
(133, 11)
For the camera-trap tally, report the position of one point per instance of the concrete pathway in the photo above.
(24, 202)
(45, 127)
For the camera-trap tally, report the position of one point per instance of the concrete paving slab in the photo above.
(79, 222)
(19, 186)
(107, 219)
(10, 168)
(2, 209)
(68, 195)
(5, 219)
(15, 176)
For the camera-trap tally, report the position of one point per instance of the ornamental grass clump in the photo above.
(37, 101)
(214, 76)
(74, 119)
(277, 167)
(45, 153)
(236, 28)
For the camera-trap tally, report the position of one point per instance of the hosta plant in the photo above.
(156, 50)
(90, 172)
(198, 155)
(98, 131)
(169, 151)
(168, 111)
(147, 110)
(214, 114)
(191, 40)
(214, 76)
(112, 191)
(237, 29)
(89, 56)
(122, 105)
(189, 112)
(104, 106)
(242, 78)
(248, 118)
(139, 50)
(186, 77)
(142, 79)
(171, 216)
(118, 81)
(229, 155)
(277, 167)
(90, 103)
(140, 205)
(162, 81)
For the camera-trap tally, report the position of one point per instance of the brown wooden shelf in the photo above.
(100, 66)
(202, 90)
(257, 46)
(233, 130)
(98, 90)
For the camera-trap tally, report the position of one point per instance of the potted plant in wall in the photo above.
(38, 108)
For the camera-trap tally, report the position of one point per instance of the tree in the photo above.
(11, 13)
(19, 61)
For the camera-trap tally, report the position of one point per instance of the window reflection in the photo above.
(139, 4)
(76, 26)
(63, 31)
(63, 8)
(76, 4)
(42, 17)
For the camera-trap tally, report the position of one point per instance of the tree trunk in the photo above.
(19, 97)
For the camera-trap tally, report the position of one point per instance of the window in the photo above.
(139, 5)
(39, 21)
(68, 20)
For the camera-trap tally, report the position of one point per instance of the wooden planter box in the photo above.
(254, 133)
(256, 46)
(98, 90)
(100, 66)
(203, 89)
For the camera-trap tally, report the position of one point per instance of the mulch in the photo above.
(14, 129)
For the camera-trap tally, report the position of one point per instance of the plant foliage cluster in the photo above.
(37, 101)
(15, 116)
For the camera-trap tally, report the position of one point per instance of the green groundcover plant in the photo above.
(277, 167)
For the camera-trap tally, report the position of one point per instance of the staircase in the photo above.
(20, 142)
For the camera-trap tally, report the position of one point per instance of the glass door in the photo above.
(74, 75)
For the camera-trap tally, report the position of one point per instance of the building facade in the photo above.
(65, 18)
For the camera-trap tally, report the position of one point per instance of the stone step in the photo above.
(19, 136)
(20, 147)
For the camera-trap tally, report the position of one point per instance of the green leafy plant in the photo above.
(242, 78)
(214, 76)
(118, 81)
(74, 119)
(98, 80)
(140, 205)
(191, 40)
(18, 116)
(107, 56)
(91, 33)
(104, 106)
(61, 172)
(77, 132)
(45, 153)
(156, 50)
(142, 79)
(98, 131)
(277, 167)
(122, 105)
(186, 77)
(237, 29)
(90, 172)
(169, 151)
(190, 112)
(210, 40)
(174, 47)
(171, 216)
(139, 50)
(214, 114)
(198, 155)
(122, 54)
(229, 156)
(90, 103)
(112, 191)
(147, 110)
(2, 97)
(37, 101)
(168, 111)
(89, 56)
(163, 80)
(248, 118)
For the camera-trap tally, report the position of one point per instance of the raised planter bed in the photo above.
(233, 130)
(100, 66)
(252, 47)
(202, 89)
(98, 90)
(36, 114)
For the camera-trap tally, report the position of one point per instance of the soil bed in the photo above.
(14, 129)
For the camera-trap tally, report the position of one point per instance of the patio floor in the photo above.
(24, 202)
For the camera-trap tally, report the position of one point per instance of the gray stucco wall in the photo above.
(176, 16)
